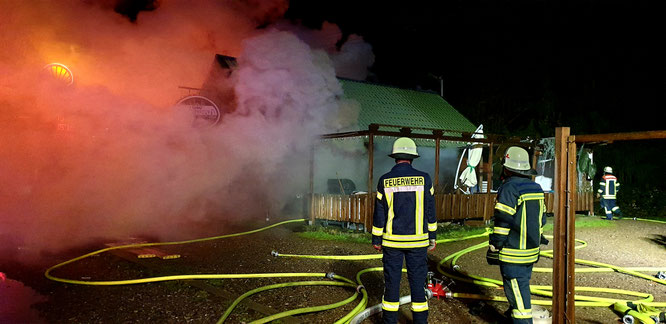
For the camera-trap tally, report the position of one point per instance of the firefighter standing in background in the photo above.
(608, 188)
(517, 232)
(404, 226)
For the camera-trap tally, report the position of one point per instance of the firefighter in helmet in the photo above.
(404, 226)
(608, 188)
(517, 231)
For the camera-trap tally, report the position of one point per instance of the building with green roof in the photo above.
(341, 164)
(388, 105)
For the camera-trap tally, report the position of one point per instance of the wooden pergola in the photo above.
(565, 197)
(437, 135)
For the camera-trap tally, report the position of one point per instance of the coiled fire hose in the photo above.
(546, 291)
(619, 305)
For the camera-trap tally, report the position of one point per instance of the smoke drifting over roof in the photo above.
(110, 157)
(351, 56)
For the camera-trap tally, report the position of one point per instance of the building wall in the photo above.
(348, 159)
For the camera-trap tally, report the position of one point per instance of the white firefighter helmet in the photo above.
(404, 148)
(517, 159)
(608, 169)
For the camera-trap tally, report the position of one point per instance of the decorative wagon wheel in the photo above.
(205, 111)
(60, 72)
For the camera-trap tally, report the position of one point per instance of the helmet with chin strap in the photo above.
(404, 148)
(516, 159)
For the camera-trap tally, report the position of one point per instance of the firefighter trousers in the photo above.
(610, 208)
(417, 270)
(516, 279)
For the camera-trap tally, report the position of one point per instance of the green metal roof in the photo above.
(403, 107)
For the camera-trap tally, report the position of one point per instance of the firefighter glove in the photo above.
(544, 241)
(432, 245)
(492, 257)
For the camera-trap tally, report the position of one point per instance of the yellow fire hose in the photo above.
(342, 281)
(138, 281)
(546, 291)
(581, 300)
(644, 314)
(293, 311)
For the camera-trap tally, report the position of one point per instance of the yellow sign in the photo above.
(404, 181)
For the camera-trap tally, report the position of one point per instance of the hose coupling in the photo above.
(661, 275)
(456, 268)
(359, 287)
(428, 293)
(330, 275)
(275, 253)
(628, 319)
(448, 294)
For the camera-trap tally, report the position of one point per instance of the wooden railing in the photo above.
(450, 207)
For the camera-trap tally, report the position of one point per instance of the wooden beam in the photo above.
(489, 137)
(312, 212)
(436, 180)
(611, 137)
(369, 200)
(490, 168)
(560, 222)
(535, 158)
(572, 180)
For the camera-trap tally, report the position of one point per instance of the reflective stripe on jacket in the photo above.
(609, 186)
(404, 214)
(519, 220)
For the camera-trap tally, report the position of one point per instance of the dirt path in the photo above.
(628, 243)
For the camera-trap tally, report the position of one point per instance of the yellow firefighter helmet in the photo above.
(404, 148)
(517, 159)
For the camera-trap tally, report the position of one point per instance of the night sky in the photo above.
(521, 67)
(526, 67)
(517, 66)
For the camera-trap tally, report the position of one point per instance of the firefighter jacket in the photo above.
(609, 186)
(404, 209)
(519, 221)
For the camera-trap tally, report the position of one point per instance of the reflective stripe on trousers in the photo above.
(610, 208)
(417, 269)
(516, 280)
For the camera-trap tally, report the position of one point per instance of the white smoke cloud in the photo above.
(354, 58)
(126, 162)
(351, 61)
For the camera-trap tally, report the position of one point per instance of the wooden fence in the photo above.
(450, 207)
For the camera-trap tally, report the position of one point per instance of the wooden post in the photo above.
(312, 212)
(563, 239)
(572, 192)
(535, 155)
(490, 168)
(369, 200)
(436, 180)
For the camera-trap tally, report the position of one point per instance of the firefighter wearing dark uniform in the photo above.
(608, 188)
(517, 231)
(404, 226)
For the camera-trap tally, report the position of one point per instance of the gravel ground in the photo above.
(627, 243)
